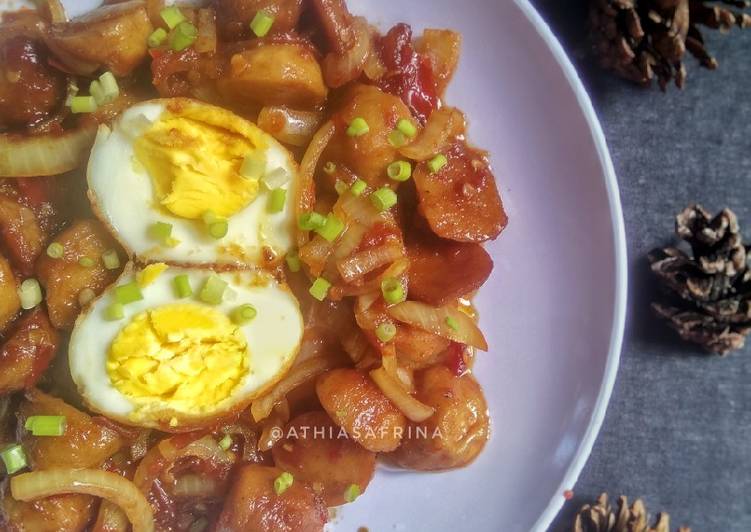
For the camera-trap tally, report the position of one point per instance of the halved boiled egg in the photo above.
(175, 348)
(181, 181)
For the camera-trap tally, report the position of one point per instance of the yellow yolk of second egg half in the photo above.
(194, 155)
(188, 356)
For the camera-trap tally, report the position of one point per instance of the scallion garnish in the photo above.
(399, 171)
(351, 493)
(393, 291)
(283, 482)
(320, 289)
(30, 294)
(225, 443)
(86, 262)
(183, 36)
(358, 127)
(182, 287)
(385, 332)
(111, 259)
(46, 425)
(115, 312)
(277, 200)
(310, 221)
(358, 187)
(172, 16)
(82, 104)
(254, 165)
(244, 314)
(332, 228)
(157, 38)
(407, 128)
(383, 199)
(128, 293)
(14, 459)
(213, 291)
(437, 162)
(293, 262)
(55, 250)
(262, 23)
(452, 323)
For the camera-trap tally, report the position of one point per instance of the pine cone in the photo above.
(641, 40)
(601, 518)
(710, 289)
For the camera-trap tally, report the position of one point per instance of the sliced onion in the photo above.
(443, 125)
(349, 241)
(436, 320)
(53, 8)
(44, 155)
(306, 191)
(315, 254)
(206, 41)
(359, 209)
(194, 486)
(109, 486)
(300, 374)
(397, 269)
(388, 361)
(413, 409)
(110, 519)
(288, 125)
(340, 69)
(356, 345)
(360, 264)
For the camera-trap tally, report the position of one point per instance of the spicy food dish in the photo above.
(261, 282)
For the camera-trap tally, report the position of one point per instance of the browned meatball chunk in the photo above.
(65, 278)
(357, 405)
(315, 451)
(29, 88)
(10, 304)
(233, 17)
(254, 506)
(368, 155)
(27, 352)
(456, 433)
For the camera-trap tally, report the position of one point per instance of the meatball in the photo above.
(368, 155)
(29, 88)
(10, 304)
(316, 452)
(456, 433)
(357, 405)
(274, 74)
(254, 506)
(27, 351)
(233, 17)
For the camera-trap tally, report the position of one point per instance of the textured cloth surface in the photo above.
(678, 429)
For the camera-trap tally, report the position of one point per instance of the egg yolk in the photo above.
(189, 356)
(194, 156)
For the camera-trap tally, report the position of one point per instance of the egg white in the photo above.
(122, 195)
(273, 338)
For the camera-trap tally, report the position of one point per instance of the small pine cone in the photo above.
(643, 40)
(709, 290)
(600, 517)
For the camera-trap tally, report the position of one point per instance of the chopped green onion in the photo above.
(277, 178)
(46, 425)
(213, 291)
(254, 165)
(160, 231)
(358, 127)
(109, 86)
(111, 259)
(183, 36)
(86, 262)
(128, 293)
(293, 262)
(332, 228)
(225, 443)
(452, 323)
(320, 289)
(393, 291)
(82, 104)
(358, 187)
(244, 314)
(283, 482)
(157, 37)
(351, 493)
(261, 23)
(72, 92)
(209, 217)
(181, 284)
(341, 187)
(30, 294)
(329, 168)
(276, 200)
(437, 162)
(14, 459)
(398, 139)
(399, 171)
(219, 229)
(171, 242)
(386, 332)
(115, 312)
(407, 127)
(86, 296)
(310, 221)
(96, 90)
(55, 250)
(383, 199)
(172, 16)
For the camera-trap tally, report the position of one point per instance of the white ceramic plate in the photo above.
(554, 308)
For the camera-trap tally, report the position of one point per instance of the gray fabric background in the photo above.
(678, 430)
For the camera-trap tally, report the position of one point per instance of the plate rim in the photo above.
(621, 263)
